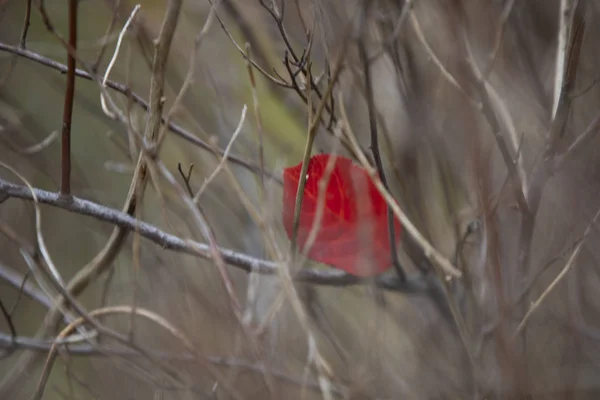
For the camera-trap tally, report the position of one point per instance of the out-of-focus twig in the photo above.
(105, 40)
(443, 70)
(26, 23)
(536, 304)
(18, 281)
(221, 164)
(167, 241)
(312, 131)
(259, 126)
(430, 252)
(498, 37)
(562, 48)
(376, 153)
(177, 129)
(87, 350)
(189, 78)
(93, 314)
(35, 148)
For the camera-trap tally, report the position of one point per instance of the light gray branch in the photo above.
(331, 277)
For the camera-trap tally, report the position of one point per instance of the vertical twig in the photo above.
(26, 22)
(376, 154)
(159, 66)
(8, 318)
(536, 304)
(312, 130)
(561, 51)
(109, 29)
(65, 184)
(259, 128)
(446, 268)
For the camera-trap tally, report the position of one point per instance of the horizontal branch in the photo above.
(330, 277)
(9, 343)
(123, 89)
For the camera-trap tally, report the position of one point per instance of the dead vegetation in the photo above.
(142, 253)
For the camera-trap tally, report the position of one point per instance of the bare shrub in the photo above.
(142, 249)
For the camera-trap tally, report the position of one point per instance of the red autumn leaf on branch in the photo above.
(353, 235)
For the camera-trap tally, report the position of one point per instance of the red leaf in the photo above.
(353, 235)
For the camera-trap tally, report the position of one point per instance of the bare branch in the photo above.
(375, 150)
(119, 87)
(219, 167)
(159, 66)
(18, 281)
(331, 277)
(114, 58)
(26, 23)
(44, 346)
(559, 277)
(105, 39)
(429, 251)
(561, 51)
(65, 183)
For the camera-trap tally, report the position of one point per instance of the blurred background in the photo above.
(442, 72)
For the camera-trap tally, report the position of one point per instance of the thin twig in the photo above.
(26, 23)
(8, 319)
(99, 312)
(108, 32)
(377, 155)
(175, 128)
(491, 102)
(320, 203)
(562, 48)
(429, 251)
(65, 183)
(35, 148)
(114, 58)
(582, 140)
(445, 73)
(536, 304)
(19, 281)
(189, 77)
(312, 131)
(87, 350)
(259, 127)
(215, 254)
(221, 164)
(167, 241)
(162, 49)
(104, 259)
(260, 69)
(499, 37)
